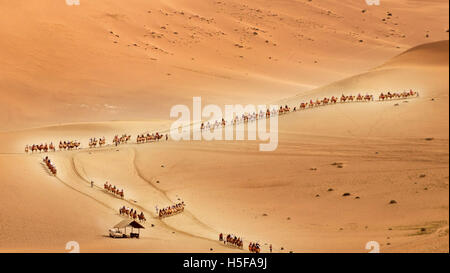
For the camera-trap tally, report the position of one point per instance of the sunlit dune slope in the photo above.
(134, 60)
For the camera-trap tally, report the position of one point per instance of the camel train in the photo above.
(172, 210)
(40, 148)
(50, 165)
(254, 248)
(232, 240)
(132, 213)
(93, 142)
(149, 138)
(403, 95)
(247, 117)
(112, 189)
(69, 145)
(244, 118)
(121, 140)
(239, 243)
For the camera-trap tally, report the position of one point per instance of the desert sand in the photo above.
(72, 73)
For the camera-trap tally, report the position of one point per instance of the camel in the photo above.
(93, 142)
(102, 141)
(142, 217)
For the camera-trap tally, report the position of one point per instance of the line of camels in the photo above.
(93, 142)
(50, 165)
(254, 248)
(132, 213)
(172, 210)
(112, 189)
(239, 243)
(121, 140)
(232, 240)
(63, 145)
(245, 118)
(150, 138)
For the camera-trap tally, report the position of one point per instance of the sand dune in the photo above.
(133, 60)
(292, 198)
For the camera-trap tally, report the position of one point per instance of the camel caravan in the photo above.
(172, 210)
(403, 95)
(121, 140)
(133, 214)
(112, 189)
(232, 240)
(68, 145)
(244, 118)
(149, 138)
(63, 145)
(251, 117)
(238, 242)
(40, 148)
(254, 248)
(50, 165)
(93, 142)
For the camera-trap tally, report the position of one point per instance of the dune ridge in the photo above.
(134, 60)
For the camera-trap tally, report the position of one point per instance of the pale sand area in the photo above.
(231, 187)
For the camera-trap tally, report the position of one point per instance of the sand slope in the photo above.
(133, 60)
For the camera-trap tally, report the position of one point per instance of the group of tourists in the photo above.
(121, 140)
(145, 138)
(93, 142)
(132, 213)
(231, 240)
(254, 248)
(63, 145)
(40, 148)
(251, 117)
(50, 165)
(112, 189)
(69, 145)
(238, 242)
(172, 210)
(395, 95)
